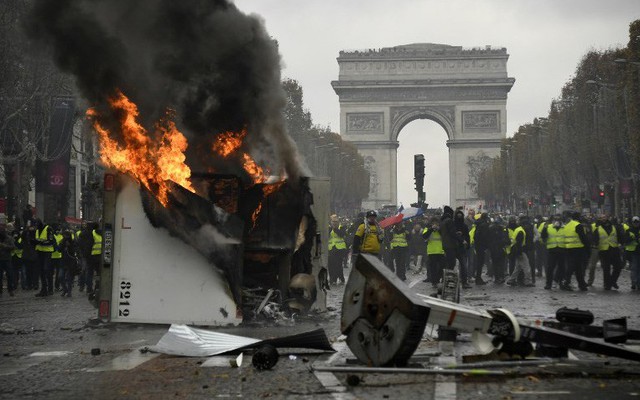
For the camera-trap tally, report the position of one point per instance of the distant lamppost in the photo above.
(634, 175)
(622, 139)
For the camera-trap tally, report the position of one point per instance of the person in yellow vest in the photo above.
(633, 251)
(626, 244)
(608, 241)
(93, 264)
(435, 251)
(512, 224)
(553, 238)
(520, 257)
(337, 250)
(368, 236)
(594, 255)
(576, 245)
(56, 258)
(44, 247)
(400, 249)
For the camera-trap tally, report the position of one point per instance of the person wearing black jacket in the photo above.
(529, 246)
(481, 240)
(462, 244)
(499, 239)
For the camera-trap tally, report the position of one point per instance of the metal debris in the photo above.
(182, 340)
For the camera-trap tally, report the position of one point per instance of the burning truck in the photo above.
(206, 200)
(250, 234)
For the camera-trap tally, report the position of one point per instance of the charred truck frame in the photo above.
(202, 258)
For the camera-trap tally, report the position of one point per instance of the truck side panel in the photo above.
(157, 278)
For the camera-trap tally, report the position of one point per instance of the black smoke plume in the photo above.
(214, 65)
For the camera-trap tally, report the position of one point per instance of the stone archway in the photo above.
(464, 91)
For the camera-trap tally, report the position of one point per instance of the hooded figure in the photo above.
(463, 243)
(481, 240)
(449, 237)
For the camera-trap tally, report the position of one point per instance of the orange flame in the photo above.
(253, 169)
(255, 214)
(229, 142)
(150, 160)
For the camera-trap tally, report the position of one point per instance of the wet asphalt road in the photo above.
(46, 353)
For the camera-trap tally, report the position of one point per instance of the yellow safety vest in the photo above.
(515, 235)
(434, 243)
(399, 240)
(97, 244)
(56, 253)
(512, 238)
(472, 235)
(43, 235)
(555, 238)
(18, 252)
(571, 237)
(633, 244)
(370, 242)
(336, 241)
(541, 226)
(607, 240)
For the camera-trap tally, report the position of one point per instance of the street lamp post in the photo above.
(620, 139)
(634, 172)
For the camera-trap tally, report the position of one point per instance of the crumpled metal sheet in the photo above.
(181, 340)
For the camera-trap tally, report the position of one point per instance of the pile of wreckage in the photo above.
(383, 322)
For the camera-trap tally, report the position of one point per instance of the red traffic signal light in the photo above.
(601, 193)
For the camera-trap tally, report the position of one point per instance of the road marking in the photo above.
(125, 362)
(539, 393)
(445, 388)
(50, 354)
(10, 366)
(329, 380)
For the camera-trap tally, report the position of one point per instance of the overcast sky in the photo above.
(545, 39)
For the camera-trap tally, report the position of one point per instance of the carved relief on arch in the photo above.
(443, 115)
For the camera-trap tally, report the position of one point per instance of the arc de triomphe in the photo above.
(464, 91)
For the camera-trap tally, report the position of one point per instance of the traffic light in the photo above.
(601, 198)
(530, 203)
(418, 171)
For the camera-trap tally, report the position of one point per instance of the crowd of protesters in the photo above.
(48, 258)
(561, 251)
